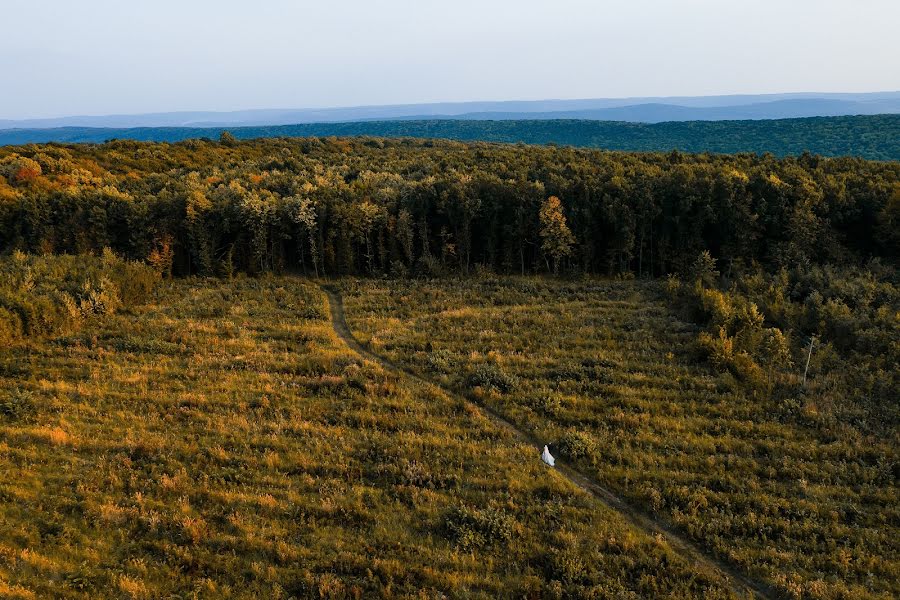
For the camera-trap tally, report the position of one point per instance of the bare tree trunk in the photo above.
(808, 358)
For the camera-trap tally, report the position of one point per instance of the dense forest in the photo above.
(874, 137)
(370, 206)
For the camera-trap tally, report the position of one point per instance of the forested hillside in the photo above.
(369, 206)
(874, 137)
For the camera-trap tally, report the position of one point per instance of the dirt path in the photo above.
(741, 584)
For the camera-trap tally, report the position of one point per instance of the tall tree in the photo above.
(557, 238)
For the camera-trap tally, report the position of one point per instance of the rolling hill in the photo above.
(874, 137)
(644, 110)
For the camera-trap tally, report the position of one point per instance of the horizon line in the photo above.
(442, 102)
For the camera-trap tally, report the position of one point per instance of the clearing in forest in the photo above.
(219, 441)
(608, 373)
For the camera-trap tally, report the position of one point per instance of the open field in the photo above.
(608, 374)
(219, 441)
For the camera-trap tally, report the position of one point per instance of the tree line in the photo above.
(333, 206)
(875, 137)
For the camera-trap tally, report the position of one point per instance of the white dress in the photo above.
(547, 457)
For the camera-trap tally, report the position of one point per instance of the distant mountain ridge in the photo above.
(641, 110)
(875, 137)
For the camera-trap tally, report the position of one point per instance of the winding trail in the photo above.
(743, 585)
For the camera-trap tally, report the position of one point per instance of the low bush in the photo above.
(10, 326)
(566, 566)
(471, 528)
(547, 402)
(16, 404)
(765, 327)
(51, 295)
(441, 361)
(491, 376)
(577, 445)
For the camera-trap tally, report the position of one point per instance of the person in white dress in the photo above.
(547, 457)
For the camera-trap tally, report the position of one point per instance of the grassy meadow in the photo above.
(217, 440)
(607, 373)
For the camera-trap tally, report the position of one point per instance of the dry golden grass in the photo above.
(609, 376)
(221, 442)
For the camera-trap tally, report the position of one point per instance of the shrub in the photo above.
(547, 402)
(566, 566)
(490, 376)
(40, 313)
(760, 330)
(577, 445)
(704, 269)
(441, 361)
(10, 326)
(16, 404)
(428, 266)
(673, 285)
(471, 528)
(399, 269)
(719, 348)
(49, 295)
(101, 298)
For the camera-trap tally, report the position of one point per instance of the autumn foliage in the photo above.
(374, 206)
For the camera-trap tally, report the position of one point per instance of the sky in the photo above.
(98, 57)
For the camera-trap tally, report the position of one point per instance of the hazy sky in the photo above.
(64, 57)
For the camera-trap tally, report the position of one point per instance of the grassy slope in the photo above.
(221, 442)
(605, 370)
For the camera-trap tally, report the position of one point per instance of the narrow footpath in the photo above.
(743, 585)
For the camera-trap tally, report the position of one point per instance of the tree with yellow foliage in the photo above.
(557, 238)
